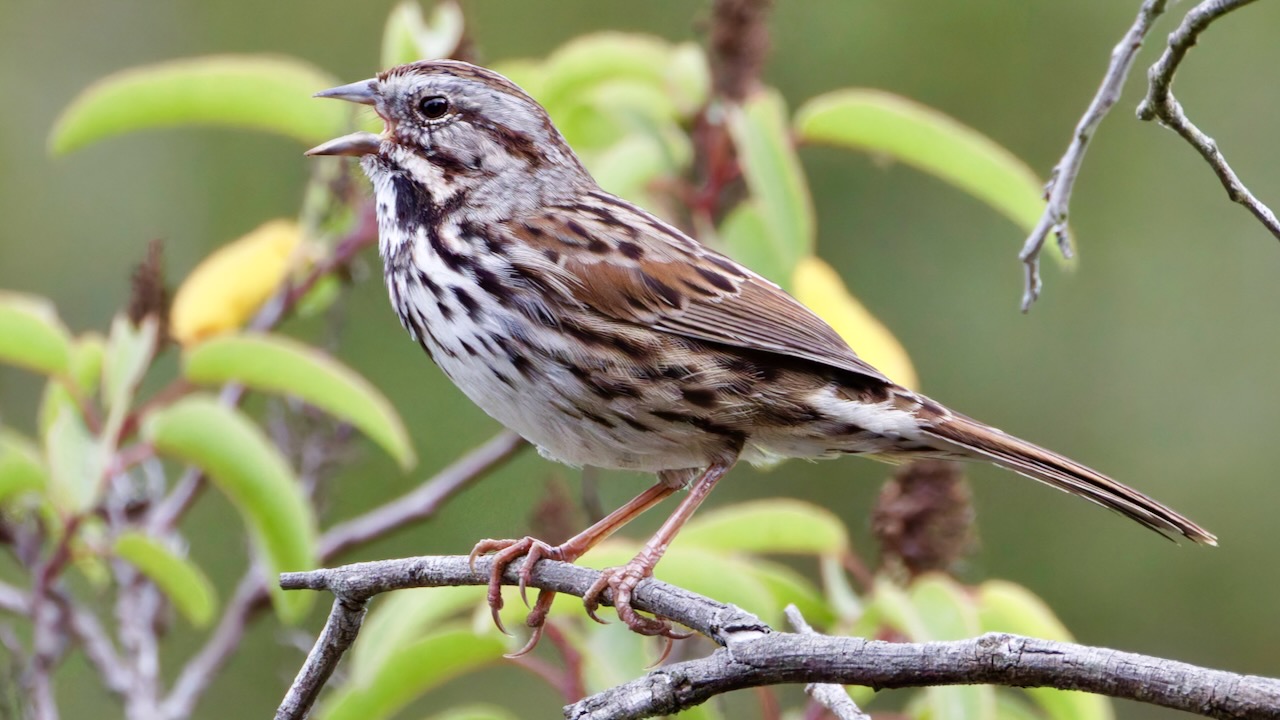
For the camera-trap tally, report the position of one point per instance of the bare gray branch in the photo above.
(1063, 178)
(830, 696)
(752, 654)
(1160, 104)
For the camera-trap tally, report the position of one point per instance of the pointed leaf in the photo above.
(31, 335)
(255, 92)
(229, 286)
(819, 286)
(178, 578)
(776, 525)
(412, 671)
(246, 467)
(773, 174)
(274, 364)
(22, 470)
(886, 124)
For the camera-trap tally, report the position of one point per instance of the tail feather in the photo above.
(975, 440)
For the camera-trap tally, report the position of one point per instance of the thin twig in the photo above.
(1160, 104)
(1063, 178)
(830, 696)
(339, 632)
(753, 655)
(94, 640)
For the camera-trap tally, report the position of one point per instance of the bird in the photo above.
(607, 337)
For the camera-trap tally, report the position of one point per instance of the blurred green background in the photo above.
(1154, 361)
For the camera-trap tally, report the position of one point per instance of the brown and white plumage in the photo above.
(607, 337)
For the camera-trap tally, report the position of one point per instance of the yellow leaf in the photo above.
(818, 286)
(224, 290)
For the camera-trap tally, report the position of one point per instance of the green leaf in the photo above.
(177, 577)
(246, 467)
(255, 92)
(128, 354)
(408, 37)
(400, 618)
(774, 176)
(76, 463)
(478, 711)
(688, 78)
(886, 124)
(87, 356)
(745, 237)
(411, 671)
(945, 610)
(271, 363)
(21, 468)
(788, 587)
(32, 336)
(602, 57)
(1006, 607)
(776, 525)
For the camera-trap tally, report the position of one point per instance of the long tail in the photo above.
(974, 440)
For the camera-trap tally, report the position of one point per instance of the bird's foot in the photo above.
(506, 552)
(622, 581)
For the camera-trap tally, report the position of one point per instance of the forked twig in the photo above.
(752, 654)
(1160, 104)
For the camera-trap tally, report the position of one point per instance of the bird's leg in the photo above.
(533, 550)
(623, 580)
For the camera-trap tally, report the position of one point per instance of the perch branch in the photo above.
(828, 695)
(1160, 104)
(753, 655)
(251, 594)
(1063, 178)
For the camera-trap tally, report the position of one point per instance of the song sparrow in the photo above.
(607, 337)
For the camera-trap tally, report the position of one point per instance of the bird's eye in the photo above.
(433, 107)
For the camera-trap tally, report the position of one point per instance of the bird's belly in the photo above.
(529, 386)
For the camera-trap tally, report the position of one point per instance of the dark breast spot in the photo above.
(469, 303)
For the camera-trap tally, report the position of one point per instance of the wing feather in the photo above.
(628, 265)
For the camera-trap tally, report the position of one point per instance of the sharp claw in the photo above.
(497, 619)
(524, 594)
(534, 637)
(666, 652)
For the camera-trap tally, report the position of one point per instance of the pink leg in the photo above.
(623, 580)
(533, 550)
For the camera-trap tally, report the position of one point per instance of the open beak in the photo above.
(356, 143)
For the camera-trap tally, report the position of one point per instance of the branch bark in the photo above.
(1063, 178)
(1160, 104)
(752, 654)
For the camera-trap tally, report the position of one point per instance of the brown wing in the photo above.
(619, 260)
